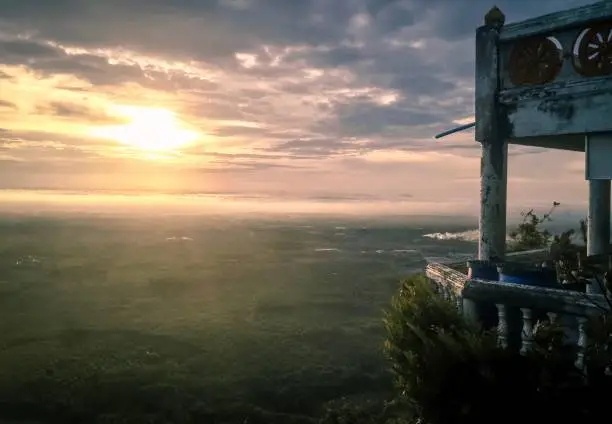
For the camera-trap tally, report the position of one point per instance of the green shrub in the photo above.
(429, 345)
(451, 372)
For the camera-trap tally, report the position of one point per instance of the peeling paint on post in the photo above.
(487, 77)
(493, 194)
(491, 132)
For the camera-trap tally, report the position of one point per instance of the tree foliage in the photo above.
(448, 371)
(529, 234)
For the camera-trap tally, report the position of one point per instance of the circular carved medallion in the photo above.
(593, 51)
(535, 61)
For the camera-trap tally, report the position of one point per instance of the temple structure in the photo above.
(544, 82)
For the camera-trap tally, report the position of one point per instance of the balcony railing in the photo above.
(571, 308)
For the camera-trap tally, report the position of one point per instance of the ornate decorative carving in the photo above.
(593, 51)
(535, 61)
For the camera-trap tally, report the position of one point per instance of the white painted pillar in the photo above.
(598, 230)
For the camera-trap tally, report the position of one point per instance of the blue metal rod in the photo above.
(454, 130)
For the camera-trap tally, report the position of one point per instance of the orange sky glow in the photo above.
(286, 124)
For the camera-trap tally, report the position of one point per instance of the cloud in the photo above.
(17, 51)
(316, 147)
(79, 112)
(7, 105)
(47, 59)
(32, 139)
(366, 119)
(380, 44)
(295, 93)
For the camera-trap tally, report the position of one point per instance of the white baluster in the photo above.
(582, 342)
(459, 303)
(502, 326)
(527, 333)
(447, 292)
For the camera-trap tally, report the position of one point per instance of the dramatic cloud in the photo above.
(7, 104)
(260, 97)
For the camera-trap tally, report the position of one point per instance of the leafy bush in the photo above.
(430, 345)
(450, 372)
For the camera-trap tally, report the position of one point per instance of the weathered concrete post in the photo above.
(598, 230)
(598, 173)
(598, 220)
(490, 133)
(598, 236)
(493, 194)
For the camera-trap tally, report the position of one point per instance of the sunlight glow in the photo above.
(464, 121)
(149, 130)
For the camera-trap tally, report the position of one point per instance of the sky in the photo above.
(295, 104)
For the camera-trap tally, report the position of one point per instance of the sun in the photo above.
(148, 129)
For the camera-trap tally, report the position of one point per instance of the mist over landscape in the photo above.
(229, 314)
(166, 308)
(206, 207)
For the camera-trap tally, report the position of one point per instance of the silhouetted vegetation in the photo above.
(449, 372)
